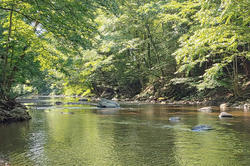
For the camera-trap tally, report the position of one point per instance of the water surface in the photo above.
(137, 135)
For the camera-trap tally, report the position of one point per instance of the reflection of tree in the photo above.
(77, 139)
(13, 142)
(145, 137)
(142, 141)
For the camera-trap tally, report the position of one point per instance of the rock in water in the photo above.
(205, 109)
(202, 128)
(18, 113)
(225, 115)
(224, 107)
(58, 103)
(174, 119)
(104, 103)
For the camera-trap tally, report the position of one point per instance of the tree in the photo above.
(137, 44)
(41, 35)
(217, 45)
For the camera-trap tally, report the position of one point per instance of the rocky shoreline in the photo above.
(17, 112)
(93, 100)
(13, 113)
(205, 102)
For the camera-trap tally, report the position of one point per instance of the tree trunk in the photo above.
(154, 47)
(236, 77)
(5, 66)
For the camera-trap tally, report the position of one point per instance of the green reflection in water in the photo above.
(141, 136)
(219, 147)
(79, 138)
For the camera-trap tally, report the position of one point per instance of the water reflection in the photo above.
(140, 136)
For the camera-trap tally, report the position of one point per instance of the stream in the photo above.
(134, 135)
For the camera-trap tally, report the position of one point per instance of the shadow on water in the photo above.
(132, 135)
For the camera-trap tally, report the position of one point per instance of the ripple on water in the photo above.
(146, 137)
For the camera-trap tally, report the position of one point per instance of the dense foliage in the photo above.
(39, 38)
(163, 49)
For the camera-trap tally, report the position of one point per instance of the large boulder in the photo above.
(104, 103)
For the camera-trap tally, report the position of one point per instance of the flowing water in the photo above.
(136, 135)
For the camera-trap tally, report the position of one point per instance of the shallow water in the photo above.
(133, 136)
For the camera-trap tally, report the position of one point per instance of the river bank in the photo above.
(93, 100)
(16, 111)
(243, 105)
(204, 102)
(11, 111)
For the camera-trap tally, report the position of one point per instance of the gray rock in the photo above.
(225, 115)
(104, 103)
(202, 128)
(224, 107)
(205, 109)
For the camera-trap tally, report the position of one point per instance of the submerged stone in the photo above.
(202, 128)
(174, 119)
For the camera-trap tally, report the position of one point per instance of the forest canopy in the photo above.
(171, 49)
